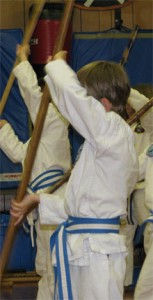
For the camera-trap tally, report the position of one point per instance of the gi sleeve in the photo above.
(142, 164)
(11, 145)
(28, 85)
(86, 114)
(51, 209)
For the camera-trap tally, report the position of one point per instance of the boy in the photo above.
(92, 263)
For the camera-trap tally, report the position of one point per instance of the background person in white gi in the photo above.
(53, 153)
(144, 286)
(137, 211)
(103, 177)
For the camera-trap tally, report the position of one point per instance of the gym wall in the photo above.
(16, 14)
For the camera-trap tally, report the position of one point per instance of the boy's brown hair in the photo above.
(104, 79)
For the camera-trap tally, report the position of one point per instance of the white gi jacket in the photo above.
(54, 148)
(102, 178)
(106, 172)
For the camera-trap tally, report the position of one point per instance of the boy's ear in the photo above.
(106, 103)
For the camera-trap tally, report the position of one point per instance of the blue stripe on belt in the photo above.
(75, 225)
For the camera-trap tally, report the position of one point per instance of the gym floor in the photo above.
(28, 291)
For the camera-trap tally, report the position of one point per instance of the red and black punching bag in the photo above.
(45, 34)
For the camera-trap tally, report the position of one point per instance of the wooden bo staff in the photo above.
(130, 44)
(58, 184)
(28, 34)
(31, 153)
(140, 112)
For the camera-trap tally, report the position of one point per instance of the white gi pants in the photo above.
(144, 287)
(97, 267)
(139, 214)
(87, 284)
(43, 262)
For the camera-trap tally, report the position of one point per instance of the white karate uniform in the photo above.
(144, 287)
(100, 183)
(139, 210)
(53, 152)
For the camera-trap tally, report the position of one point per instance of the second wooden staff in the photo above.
(140, 112)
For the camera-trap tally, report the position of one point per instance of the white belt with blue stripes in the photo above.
(75, 225)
